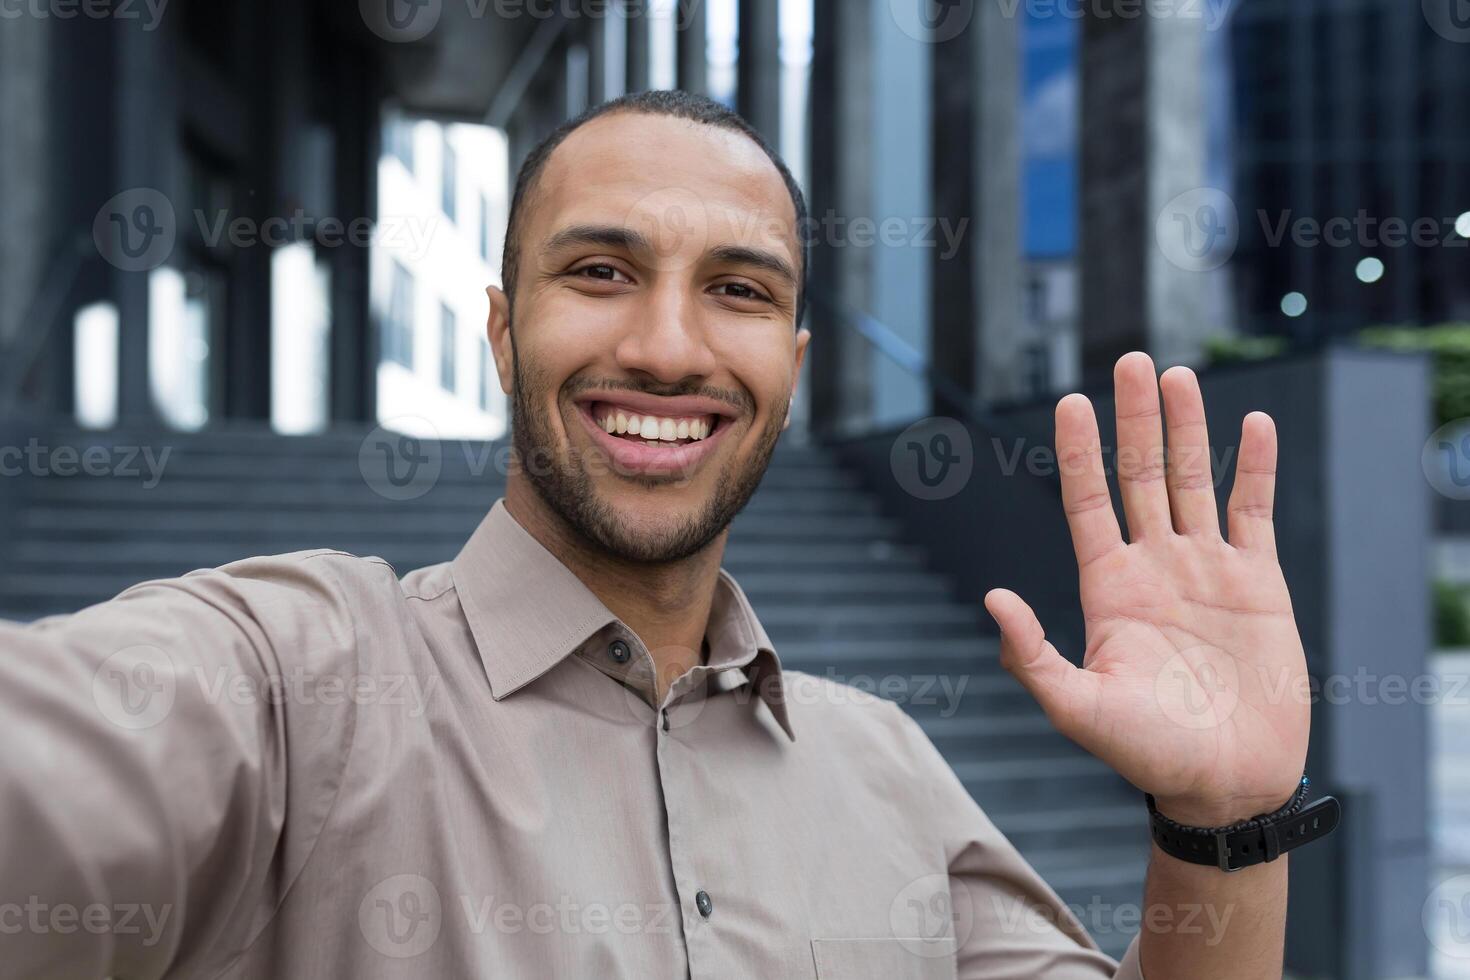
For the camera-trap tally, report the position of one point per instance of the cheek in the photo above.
(562, 341)
(762, 368)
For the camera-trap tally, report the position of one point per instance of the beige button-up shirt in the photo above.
(303, 766)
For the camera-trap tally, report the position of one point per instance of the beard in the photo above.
(561, 479)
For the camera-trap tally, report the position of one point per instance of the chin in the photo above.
(648, 525)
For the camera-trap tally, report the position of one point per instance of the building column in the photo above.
(1143, 146)
(691, 28)
(996, 258)
(758, 68)
(955, 329)
(636, 29)
(354, 337)
(900, 187)
(38, 266)
(840, 360)
(140, 98)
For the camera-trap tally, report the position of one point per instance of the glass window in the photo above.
(448, 335)
(448, 180)
(398, 328)
(400, 141)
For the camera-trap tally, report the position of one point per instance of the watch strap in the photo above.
(1255, 841)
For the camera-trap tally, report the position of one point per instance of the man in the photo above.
(604, 771)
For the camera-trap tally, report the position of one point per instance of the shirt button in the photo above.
(619, 651)
(702, 902)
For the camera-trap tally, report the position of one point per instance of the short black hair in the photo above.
(660, 102)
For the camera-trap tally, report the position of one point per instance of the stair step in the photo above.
(1073, 779)
(476, 499)
(764, 588)
(1093, 827)
(151, 556)
(948, 655)
(53, 522)
(248, 439)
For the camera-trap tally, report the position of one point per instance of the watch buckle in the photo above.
(1222, 854)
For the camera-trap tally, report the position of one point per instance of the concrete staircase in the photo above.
(834, 583)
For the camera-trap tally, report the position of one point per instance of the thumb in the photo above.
(1055, 683)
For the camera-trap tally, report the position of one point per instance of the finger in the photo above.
(1140, 447)
(1191, 484)
(1065, 692)
(1254, 494)
(1085, 496)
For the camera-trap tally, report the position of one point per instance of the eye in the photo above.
(601, 271)
(740, 290)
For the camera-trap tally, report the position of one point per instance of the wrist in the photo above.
(1221, 811)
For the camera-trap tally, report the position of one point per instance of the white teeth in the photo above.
(658, 431)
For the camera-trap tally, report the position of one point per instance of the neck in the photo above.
(666, 605)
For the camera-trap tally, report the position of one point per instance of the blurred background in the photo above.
(243, 248)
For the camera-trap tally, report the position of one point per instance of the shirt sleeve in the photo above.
(1009, 923)
(168, 763)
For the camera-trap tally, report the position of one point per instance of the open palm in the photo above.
(1193, 683)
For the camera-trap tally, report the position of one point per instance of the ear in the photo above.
(497, 329)
(803, 337)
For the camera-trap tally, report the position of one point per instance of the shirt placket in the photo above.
(698, 896)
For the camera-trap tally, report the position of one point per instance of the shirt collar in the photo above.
(527, 612)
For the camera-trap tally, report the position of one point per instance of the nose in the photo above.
(666, 338)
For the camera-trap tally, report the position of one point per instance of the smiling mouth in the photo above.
(668, 431)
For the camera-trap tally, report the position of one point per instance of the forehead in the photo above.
(688, 186)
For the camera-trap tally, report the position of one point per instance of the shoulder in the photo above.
(853, 720)
(318, 577)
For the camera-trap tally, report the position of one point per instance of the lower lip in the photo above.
(631, 458)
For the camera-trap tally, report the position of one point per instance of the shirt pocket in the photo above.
(884, 959)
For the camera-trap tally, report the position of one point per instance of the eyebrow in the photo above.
(615, 236)
(609, 236)
(756, 257)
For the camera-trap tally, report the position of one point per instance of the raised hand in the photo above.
(1193, 685)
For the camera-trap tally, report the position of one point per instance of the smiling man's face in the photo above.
(657, 289)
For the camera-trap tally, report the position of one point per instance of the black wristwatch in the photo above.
(1254, 841)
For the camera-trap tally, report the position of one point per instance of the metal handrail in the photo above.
(888, 342)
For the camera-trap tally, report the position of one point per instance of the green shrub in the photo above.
(1451, 615)
(1228, 349)
(1449, 346)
